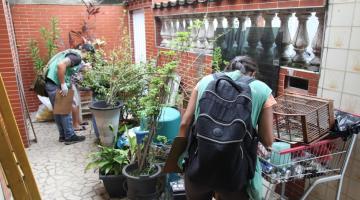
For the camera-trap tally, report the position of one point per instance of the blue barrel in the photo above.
(168, 124)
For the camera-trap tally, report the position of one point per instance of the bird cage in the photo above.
(299, 118)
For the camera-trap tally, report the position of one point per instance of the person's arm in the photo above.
(188, 115)
(61, 72)
(266, 127)
(62, 65)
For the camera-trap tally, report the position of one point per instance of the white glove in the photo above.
(64, 89)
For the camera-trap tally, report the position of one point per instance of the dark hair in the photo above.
(87, 47)
(244, 64)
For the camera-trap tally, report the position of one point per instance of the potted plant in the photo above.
(110, 162)
(107, 109)
(115, 81)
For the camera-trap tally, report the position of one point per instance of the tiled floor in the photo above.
(59, 168)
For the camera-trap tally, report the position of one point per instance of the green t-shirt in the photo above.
(260, 92)
(53, 67)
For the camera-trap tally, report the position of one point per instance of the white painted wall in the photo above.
(340, 80)
(340, 74)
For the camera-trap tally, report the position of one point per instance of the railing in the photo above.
(288, 37)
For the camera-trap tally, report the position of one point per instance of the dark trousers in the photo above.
(200, 192)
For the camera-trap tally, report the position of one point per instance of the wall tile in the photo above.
(321, 79)
(340, 1)
(319, 92)
(333, 80)
(327, 35)
(329, 14)
(353, 64)
(342, 14)
(323, 57)
(336, 96)
(336, 59)
(350, 103)
(339, 37)
(356, 19)
(355, 39)
(351, 83)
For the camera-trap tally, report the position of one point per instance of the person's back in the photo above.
(58, 80)
(260, 93)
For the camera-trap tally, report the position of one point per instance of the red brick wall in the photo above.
(28, 19)
(313, 80)
(7, 72)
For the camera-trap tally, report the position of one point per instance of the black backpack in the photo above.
(223, 143)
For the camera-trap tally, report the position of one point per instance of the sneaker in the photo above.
(61, 139)
(74, 139)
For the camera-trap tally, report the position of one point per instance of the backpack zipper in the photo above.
(235, 120)
(242, 153)
(240, 95)
(240, 120)
(217, 141)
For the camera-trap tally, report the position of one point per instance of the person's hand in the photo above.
(87, 66)
(64, 89)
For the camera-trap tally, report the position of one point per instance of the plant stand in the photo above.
(114, 185)
(106, 116)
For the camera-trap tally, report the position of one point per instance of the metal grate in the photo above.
(300, 118)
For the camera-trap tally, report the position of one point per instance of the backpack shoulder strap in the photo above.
(218, 75)
(246, 79)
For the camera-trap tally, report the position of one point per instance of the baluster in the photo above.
(253, 36)
(267, 39)
(167, 34)
(173, 31)
(240, 34)
(163, 33)
(210, 34)
(187, 23)
(283, 39)
(181, 25)
(232, 38)
(301, 40)
(317, 41)
(200, 43)
(229, 33)
(193, 34)
(220, 33)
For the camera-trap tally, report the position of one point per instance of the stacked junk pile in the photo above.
(313, 146)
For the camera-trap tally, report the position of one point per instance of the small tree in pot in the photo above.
(114, 80)
(143, 175)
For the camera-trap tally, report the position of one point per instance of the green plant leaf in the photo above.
(103, 163)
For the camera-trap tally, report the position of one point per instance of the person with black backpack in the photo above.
(221, 155)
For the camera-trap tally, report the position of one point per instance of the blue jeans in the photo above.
(63, 122)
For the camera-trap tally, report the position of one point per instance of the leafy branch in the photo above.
(50, 37)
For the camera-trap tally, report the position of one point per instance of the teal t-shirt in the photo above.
(53, 67)
(260, 92)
